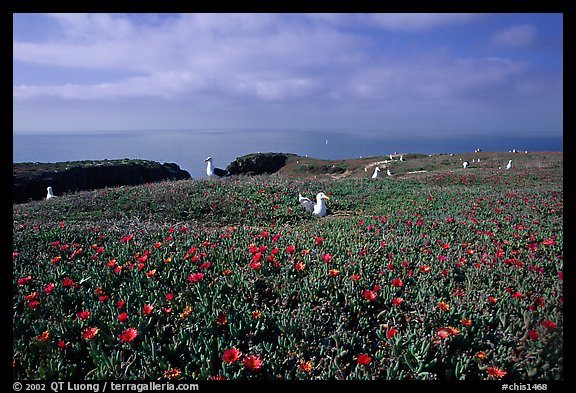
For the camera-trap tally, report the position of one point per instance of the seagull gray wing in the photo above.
(306, 203)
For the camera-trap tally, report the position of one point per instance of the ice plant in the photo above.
(147, 309)
(252, 362)
(84, 314)
(363, 359)
(231, 355)
(89, 333)
(195, 277)
(495, 372)
(305, 365)
(173, 373)
(548, 324)
(44, 337)
(128, 335)
(369, 295)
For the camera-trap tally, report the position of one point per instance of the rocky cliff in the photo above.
(30, 180)
(258, 163)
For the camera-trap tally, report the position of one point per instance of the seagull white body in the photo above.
(376, 173)
(465, 164)
(50, 193)
(211, 171)
(389, 173)
(318, 208)
(509, 165)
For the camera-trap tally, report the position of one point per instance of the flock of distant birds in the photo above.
(317, 208)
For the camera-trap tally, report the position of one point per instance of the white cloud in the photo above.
(272, 58)
(516, 36)
(396, 21)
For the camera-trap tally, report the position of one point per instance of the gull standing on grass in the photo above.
(211, 171)
(318, 208)
(50, 194)
(376, 173)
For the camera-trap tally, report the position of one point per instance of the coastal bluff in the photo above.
(30, 180)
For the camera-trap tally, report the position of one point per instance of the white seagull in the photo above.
(509, 165)
(465, 164)
(318, 208)
(50, 193)
(214, 172)
(376, 173)
(389, 173)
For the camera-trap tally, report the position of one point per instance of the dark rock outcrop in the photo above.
(257, 164)
(30, 180)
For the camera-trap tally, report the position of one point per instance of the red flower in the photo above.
(299, 266)
(363, 359)
(89, 333)
(195, 277)
(397, 301)
(495, 372)
(231, 355)
(252, 362)
(327, 257)
(62, 344)
(369, 295)
(290, 249)
(67, 282)
(319, 240)
(128, 335)
(33, 304)
(533, 335)
(397, 282)
(24, 280)
(44, 337)
(49, 288)
(147, 309)
(122, 317)
(443, 306)
(424, 269)
(169, 296)
(391, 332)
(84, 315)
(334, 272)
(548, 324)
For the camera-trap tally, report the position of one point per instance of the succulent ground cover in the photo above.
(447, 274)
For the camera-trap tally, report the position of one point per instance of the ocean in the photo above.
(189, 148)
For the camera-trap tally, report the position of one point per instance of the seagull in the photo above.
(318, 208)
(509, 165)
(465, 164)
(376, 175)
(50, 193)
(401, 158)
(214, 172)
(389, 173)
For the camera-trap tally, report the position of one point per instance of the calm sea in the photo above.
(189, 148)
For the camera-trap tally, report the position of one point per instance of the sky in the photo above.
(344, 72)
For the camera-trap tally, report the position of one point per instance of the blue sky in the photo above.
(350, 72)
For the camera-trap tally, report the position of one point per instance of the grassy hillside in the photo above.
(438, 272)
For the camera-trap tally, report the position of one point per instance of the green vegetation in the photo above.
(446, 274)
